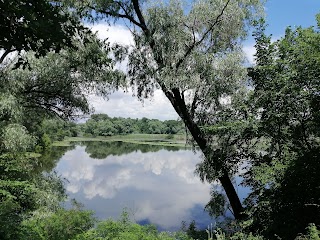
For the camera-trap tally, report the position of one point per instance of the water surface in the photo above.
(155, 183)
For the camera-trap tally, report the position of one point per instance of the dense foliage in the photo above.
(38, 26)
(284, 176)
(77, 224)
(103, 125)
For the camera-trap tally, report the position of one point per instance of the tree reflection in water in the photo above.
(156, 182)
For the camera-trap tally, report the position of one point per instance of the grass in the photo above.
(178, 140)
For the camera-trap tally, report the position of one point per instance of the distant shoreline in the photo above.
(175, 140)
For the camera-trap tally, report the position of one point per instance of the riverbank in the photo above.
(177, 140)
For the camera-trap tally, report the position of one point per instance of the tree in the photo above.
(38, 26)
(57, 84)
(192, 53)
(52, 85)
(124, 228)
(284, 176)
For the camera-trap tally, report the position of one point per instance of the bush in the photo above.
(125, 229)
(62, 225)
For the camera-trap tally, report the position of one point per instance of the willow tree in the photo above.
(192, 53)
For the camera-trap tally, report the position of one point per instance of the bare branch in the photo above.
(312, 205)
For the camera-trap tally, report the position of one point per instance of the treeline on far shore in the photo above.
(103, 125)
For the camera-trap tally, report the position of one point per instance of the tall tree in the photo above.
(284, 177)
(192, 53)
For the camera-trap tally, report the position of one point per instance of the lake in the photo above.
(155, 183)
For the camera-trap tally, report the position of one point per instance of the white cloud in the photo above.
(114, 33)
(249, 51)
(122, 103)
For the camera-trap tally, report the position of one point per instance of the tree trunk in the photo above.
(232, 196)
(177, 100)
(179, 105)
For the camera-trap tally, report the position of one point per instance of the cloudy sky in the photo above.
(279, 15)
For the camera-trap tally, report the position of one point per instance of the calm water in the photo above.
(156, 184)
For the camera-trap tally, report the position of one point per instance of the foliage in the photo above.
(51, 130)
(103, 125)
(57, 84)
(217, 204)
(47, 84)
(312, 233)
(23, 191)
(283, 177)
(15, 138)
(38, 26)
(193, 232)
(125, 229)
(16, 196)
(61, 224)
(237, 236)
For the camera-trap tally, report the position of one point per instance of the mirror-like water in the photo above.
(156, 184)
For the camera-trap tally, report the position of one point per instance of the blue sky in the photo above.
(283, 13)
(279, 15)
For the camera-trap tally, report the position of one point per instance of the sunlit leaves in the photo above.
(188, 47)
(16, 138)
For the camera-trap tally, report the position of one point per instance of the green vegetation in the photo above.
(77, 224)
(149, 139)
(103, 125)
(58, 58)
(287, 89)
(100, 127)
(102, 150)
(194, 56)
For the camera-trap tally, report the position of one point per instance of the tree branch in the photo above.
(192, 46)
(194, 104)
(5, 54)
(140, 17)
(114, 14)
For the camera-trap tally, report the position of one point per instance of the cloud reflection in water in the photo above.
(158, 186)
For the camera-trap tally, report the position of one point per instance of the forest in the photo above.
(264, 116)
(102, 125)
